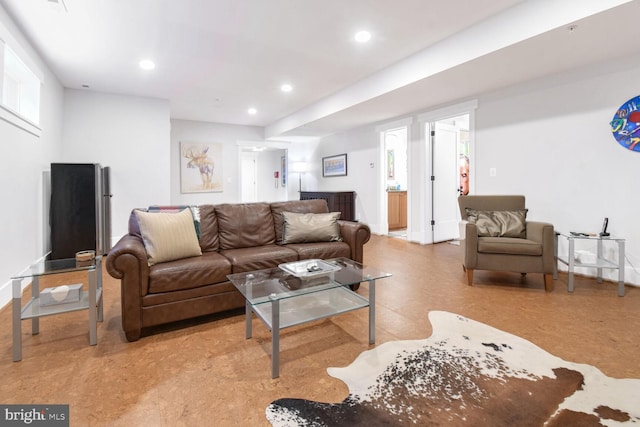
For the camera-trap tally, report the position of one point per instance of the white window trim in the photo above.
(10, 116)
(7, 114)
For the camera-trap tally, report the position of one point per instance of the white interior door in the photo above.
(249, 177)
(445, 171)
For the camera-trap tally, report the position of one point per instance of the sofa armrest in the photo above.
(355, 234)
(469, 245)
(127, 245)
(127, 261)
(543, 233)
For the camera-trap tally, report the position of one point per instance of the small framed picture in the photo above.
(334, 165)
(283, 170)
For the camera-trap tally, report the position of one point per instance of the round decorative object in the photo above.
(625, 125)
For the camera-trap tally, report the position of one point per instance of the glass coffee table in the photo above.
(282, 299)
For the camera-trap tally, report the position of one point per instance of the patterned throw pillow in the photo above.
(499, 223)
(310, 227)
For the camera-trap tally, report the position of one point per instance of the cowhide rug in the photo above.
(467, 373)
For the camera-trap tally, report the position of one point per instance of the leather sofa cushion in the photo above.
(298, 206)
(188, 273)
(321, 250)
(259, 258)
(509, 245)
(209, 240)
(244, 225)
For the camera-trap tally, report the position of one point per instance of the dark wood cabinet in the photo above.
(338, 201)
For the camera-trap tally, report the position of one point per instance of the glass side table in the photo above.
(90, 299)
(600, 262)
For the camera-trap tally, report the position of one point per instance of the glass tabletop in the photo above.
(589, 236)
(273, 284)
(46, 267)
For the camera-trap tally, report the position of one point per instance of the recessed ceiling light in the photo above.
(286, 87)
(147, 64)
(252, 111)
(362, 36)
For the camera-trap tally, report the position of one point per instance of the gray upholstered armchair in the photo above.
(495, 236)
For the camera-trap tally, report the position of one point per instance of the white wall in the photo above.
(549, 140)
(23, 158)
(361, 146)
(130, 135)
(232, 137)
(202, 132)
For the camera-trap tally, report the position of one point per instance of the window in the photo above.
(20, 87)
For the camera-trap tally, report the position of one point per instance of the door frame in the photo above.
(469, 107)
(383, 210)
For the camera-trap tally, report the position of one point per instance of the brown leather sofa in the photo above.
(234, 238)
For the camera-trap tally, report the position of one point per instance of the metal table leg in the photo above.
(35, 293)
(598, 258)
(572, 260)
(93, 309)
(620, 268)
(16, 312)
(275, 338)
(372, 311)
(247, 311)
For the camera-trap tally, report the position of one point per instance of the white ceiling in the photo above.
(216, 58)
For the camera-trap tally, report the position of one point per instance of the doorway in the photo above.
(450, 174)
(262, 171)
(249, 177)
(396, 179)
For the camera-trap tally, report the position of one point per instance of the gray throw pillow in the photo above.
(499, 223)
(310, 227)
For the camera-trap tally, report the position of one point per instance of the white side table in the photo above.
(600, 262)
(89, 300)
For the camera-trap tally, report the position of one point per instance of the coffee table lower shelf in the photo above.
(283, 313)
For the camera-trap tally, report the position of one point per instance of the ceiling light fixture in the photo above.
(252, 111)
(286, 87)
(362, 36)
(147, 64)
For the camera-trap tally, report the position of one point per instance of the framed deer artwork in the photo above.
(201, 167)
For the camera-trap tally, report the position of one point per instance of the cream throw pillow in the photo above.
(168, 236)
(310, 227)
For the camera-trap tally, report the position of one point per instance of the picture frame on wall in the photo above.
(283, 170)
(201, 167)
(334, 165)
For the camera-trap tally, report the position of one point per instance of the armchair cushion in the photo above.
(507, 223)
(509, 245)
